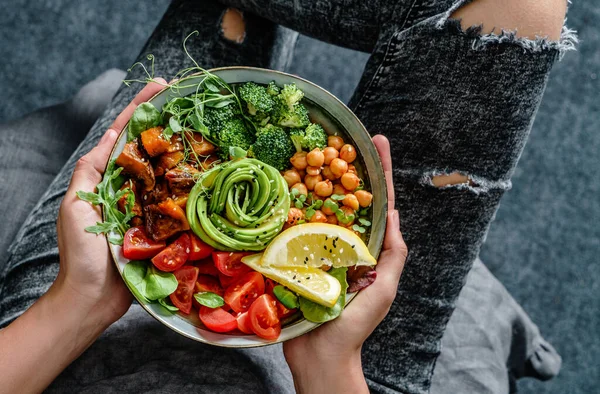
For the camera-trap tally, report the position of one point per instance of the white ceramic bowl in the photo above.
(325, 109)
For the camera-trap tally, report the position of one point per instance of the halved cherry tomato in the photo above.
(243, 322)
(207, 267)
(138, 246)
(199, 249)
(242, 293)
(174, 255)
(263, 317)
(230, 263)
(182, 297)
(208, 283)
(217, 319)
(226, 281)
(282, 310)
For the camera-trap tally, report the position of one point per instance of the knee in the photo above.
(529, 18)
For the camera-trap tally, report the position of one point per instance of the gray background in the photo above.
(545, 241)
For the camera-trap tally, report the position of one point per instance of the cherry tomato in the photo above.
(182, 297)
(207, 267)
(174, 255)
(263, 317)
(282, 310)
(208, 283)
(217, 319)
(225, 280)
(241, 293)
(199, 250)
(138, 246)
(230, 263)
(243, 322)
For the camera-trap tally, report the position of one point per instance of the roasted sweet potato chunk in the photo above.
(176, 144)
(154, 142)
(166, 161)
(160, 226)
(170, 208)
(156, 195)
(181, 179)
(200, 146)
(136, 165)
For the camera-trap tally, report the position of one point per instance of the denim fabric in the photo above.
(427, 86)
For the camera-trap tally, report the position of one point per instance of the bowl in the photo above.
(336, 118)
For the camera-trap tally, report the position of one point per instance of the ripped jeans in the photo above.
(449, 101)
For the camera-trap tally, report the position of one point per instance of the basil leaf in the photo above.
(159, 284)
(209, 299)
(133, 275)
(144, 117)
(167, 306)
(319, 313)
(288, 298)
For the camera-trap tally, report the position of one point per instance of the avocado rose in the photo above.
(239, 205)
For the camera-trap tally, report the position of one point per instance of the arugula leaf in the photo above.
(144, 117)
(288, 298)
(319, 313)
(211, 300)
(167, 306)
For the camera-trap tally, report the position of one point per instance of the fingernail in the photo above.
(396, 218)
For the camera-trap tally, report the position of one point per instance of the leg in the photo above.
(466, 107)
(31, 265)
(35, 147)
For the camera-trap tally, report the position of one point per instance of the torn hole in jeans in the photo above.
(449, 179)
(567, 41)
(233, 25)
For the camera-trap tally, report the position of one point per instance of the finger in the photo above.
(383, 148)
(392, 258)
(144, 95)
(89, 168)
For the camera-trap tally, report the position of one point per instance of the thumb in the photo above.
(90, 167)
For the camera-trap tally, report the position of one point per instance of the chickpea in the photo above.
(329, 154)
(351, 201)
(347, 212)
(315, 158)
(338, 167)
(339, 189)
(326, 171)
(335, 142)
(292, 177)
(351, 168)
(350, 181)
(311, 180)
(302, 173)
(318, 217)
(324, 188)
(331, 219)
(364, 198)
(326, 210)
(348, 153)
(299, 160)
(294, 215)
(301, 187)
(310, 170)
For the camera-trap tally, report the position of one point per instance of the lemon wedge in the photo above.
(308, 282)
(317, 244)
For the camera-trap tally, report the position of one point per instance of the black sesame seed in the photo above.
(325, 247)
(308, 277)
(330, 250)
(353, 246)
(322, 259)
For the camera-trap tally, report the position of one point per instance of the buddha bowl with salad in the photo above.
(243, 206)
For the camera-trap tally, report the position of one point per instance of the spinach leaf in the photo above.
(159, 284)
(166, 305)
(134, 274)
(144, 117)
(209, 299)
(319, 313)
(288, 298)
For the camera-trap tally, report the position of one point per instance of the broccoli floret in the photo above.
(297, 136)
(296, 117)
(291, 95)
(273, 89)
(259, 102)
(234, 133)
(216, 118)
(314, 137)
(273, 146)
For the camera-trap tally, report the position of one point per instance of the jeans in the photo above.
(427, 87)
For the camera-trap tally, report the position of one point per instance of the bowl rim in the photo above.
(378, 242)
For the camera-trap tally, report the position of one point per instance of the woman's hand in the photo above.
(87, 275)
(328, 359)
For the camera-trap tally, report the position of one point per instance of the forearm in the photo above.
(43, 341)
(329, 377)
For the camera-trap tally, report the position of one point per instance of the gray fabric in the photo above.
(402, 353)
